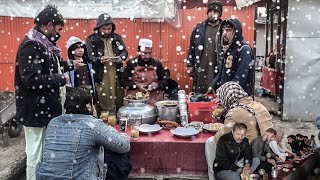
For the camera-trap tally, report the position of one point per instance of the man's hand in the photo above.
(142, 87)
(239, 170)
(119, 60)
(272, 161)
(104, 60)
(190, 71)
(153, 86)
(210, 91)
(66, 76)
(290, 154)
(77, 63)
(246, 170)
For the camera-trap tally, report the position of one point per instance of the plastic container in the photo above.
(201, 111)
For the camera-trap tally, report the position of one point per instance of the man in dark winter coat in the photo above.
(235, 57)
(107, 51)
(202, 56)
(38, 79)
(234, 154)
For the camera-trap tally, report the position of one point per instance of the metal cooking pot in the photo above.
(139, 107)
(167, 112)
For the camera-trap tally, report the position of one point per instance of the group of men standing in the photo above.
(42, 81)
(218, 53)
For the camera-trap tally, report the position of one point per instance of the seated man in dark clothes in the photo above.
(262, 150)
(234, 154)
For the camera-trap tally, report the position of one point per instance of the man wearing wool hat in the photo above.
(145, 74)
(107, 51)
(202, 56)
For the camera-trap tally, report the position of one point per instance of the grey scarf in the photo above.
(35, 35)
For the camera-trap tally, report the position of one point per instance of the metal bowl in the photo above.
(254, 176)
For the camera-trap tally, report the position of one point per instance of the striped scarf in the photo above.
(229, 95)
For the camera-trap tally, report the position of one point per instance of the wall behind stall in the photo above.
(170, 43)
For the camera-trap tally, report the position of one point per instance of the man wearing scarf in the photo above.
(235, 58)
(240, 108)
(38, 79)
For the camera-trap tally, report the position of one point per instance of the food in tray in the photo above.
(170, 103)
(137, 96)
(197, 125)
(167, 124)
(215, 126)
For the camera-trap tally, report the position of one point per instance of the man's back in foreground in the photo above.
(72, 146)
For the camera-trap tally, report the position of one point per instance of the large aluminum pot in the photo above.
(139, 107)
(170, 112)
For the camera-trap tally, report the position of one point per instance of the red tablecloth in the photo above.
(164, 154)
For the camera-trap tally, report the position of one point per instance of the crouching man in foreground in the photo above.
(75, 142)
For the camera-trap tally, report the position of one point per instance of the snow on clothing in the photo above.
(143, 72)
(202, 55)
(106, 76)
(237, 63)
(95, 46)
(72, 147)
(241, 108)
(37, 81)
(83, 75)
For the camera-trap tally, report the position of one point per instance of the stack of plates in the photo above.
(183, 107)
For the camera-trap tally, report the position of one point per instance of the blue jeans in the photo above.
(232, 175)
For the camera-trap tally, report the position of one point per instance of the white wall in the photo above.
(302, 80)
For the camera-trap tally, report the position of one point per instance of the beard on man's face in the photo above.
(213, 19)
(225, 40)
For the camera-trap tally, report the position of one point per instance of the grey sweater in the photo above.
(261, 148)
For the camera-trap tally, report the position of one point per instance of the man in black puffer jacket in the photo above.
(107, 51)
(38, 79)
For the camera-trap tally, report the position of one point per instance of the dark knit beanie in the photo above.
(216, 5)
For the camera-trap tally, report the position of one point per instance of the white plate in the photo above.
(206, 127)
(147, 128)
(184, 132)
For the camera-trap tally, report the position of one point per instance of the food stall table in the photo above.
(163, 154)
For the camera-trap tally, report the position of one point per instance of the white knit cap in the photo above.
(73, 40)
(145, 43)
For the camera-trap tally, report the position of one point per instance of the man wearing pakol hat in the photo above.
(107, 51)
(236, 57)
(202, 56)
(144, 73)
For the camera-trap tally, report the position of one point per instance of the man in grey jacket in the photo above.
(262, 150)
